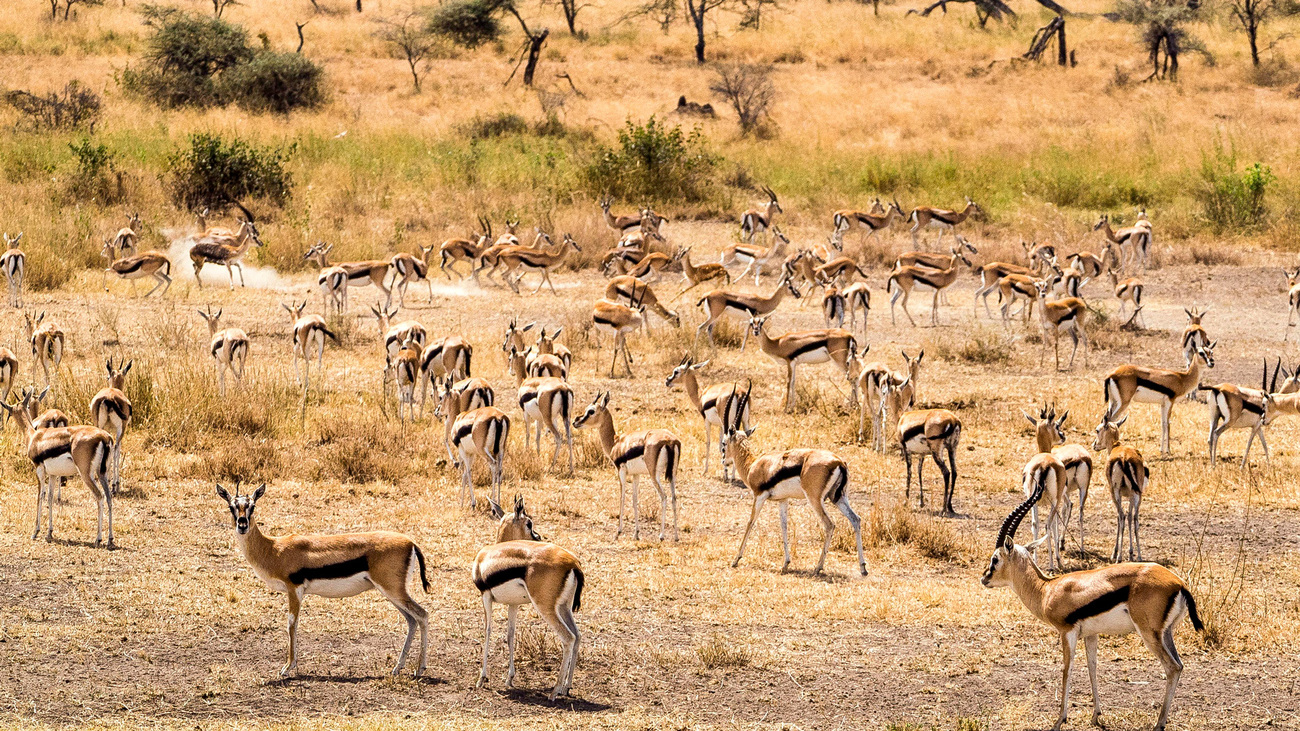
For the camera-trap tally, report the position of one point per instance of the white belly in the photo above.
(1115, 622)
(820, 355)
(61, 466)
(1147, 396)
(533, 411)
(786, 490)
(636, 467)
(337, 588)
(512, 592)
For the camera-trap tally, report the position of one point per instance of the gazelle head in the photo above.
(974, 207)
(511, 226)
(1008, 559)
(1206, 353)
(787, 281)
(1194, 315)
(117, 376)
(1292, 278)
(756, 325)
(319, 251)
(541, 237)
(133, 221)
(515, 365)
(546, 342)
(568, 240)
(384, 316)
(779, 238)
(1103, 222)
(836, 238)
(965, 245)
(897, 208)
(687, 365)
(877, 207)
(249, 229)
(30, 322)
(202, 217)
(959, 253)
(515, 335)
(1107, 434)
(295, 310)
(605, 202)
(21, 410)
(241, 506)
(516, 525)
(1048, 427)
(598, 406)
(11, 242)
(109, 252)
(772, 203)
(1290, 379)
(213, 319)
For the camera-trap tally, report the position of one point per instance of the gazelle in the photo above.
(520, 569)
(1129, 383)
(632, 290)
(149, 264)
(940, 218)
(128, 236)
(14, 264)
(620, 224)
(445, 360)
(1194, 335)
(406, 374)
(481, 432)
(1237, 407)
(651, 268)
(936, 432)
(655, 453)
(457, 398)
(59, 452)
(1127, 474)
(756, 258)
(815, 475)
(408, 269)
(904, 278)
(871, 222)
(1091, 265)
(457, 250)
(1129, 291)
(833, 306)
(523, 259)
(1062, 316)
(809, 346)
(1045, 474)
(872, 379)
(1011, 289)
(932, 260)
(47, 341)
(229, 348)
(1133, 242)
(1113, 600)
(111, 411)
(360, 273)
(547, 401)
(840, 270)
(755, 221)
(8, 367)
(395, 335)
(490, 257)
(717, 405)
(1293, 298)
(333, 566)
(547, 344)
(720, 302)
(618, 320)
(225, 251)
(695, 275)
(1049, 436)
(309, 333)
(857, 296)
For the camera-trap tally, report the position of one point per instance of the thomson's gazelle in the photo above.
(229, 348)
(1049, 436)
(13, 262)
(111, 411)
(309, 333)
(1127, 474)
(809, 346)
(1129, 383)
(717, 405)
(46, 340)
(930, 431)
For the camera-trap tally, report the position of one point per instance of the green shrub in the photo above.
(215, 172)
(497, 125)
(1232, 200)
(275, 82)
(185, 55)
(655, 162)
(94, 177)
(468, 23)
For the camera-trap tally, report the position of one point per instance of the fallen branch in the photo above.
(1131, 323)
(995, 9)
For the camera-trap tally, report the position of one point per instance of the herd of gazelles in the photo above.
(520, 568)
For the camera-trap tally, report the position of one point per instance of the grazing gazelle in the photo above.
(525, 259)
(480, 432)
(111, 411)
(1049, 436)
(521, 569)
(1127, 474)
(904, 278)
(408, 269)
(46, 340)
(360, 273)
(60, 452)
(619, 320)
(815, 475)
(309, 333)
(627, 288)
(1064, 315)
(333, 566)
(929, 431)
(872, 378)
(755, 221)
(1133, 242)
(149, 264)
(720, 302)
(1194, 336)
(1113, 600)
(1129, 291)
(940, 218)
(227, 251)
(1238, 407)
(655, 453)
(1129, 383)
(229, 348)
(809, 346)
(871, 222)
(717, 405)
(14, 264)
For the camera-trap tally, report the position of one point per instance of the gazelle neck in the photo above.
(255, 546)
(605, 429)
(776, 297)
(1028, 582)
(742, 458)
(1044, 440)
(766, 342)
(692, 387)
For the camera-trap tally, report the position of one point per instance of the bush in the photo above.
(748, 88)
(655, 162)
(275, 82)
(76, 106)
(94, 177)
(468, 23)
(498, 125)
(1233, 201)
(217, 173)
(185, 54)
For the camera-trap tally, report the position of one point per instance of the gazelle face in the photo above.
(12, 242)
(517, 525)
(756, 325)
(1101, 223)
(241, 506)
(598, 405)
(569, 240)
(1107, 435)
(998, 573)
(1206, 354)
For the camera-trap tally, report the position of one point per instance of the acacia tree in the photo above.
(67, 7)
(1162, 32)
(570, 9)
(698, 11)
(1251, 15)
(409, 35)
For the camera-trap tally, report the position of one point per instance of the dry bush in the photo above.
(982, 345)
(246, 459)
(587, 452)
(361, 450)
(536, 645)
(899, 525)
(1214, 255)
(723, 652)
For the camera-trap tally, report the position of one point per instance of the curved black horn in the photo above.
(1007, 533)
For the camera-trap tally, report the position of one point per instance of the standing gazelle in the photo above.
(1129, 383)
(717, 405)
(408, 269)
(940, 218)
(309, 333)
(229, 348)
(1237, 407)
(46, 340)
(755, 221)
(1113, 600)
(1127, 474)
(809, 346)
(1049, 436)
(1293, 297)
(111, 411)
(872, 378)
(548, 402)
(521, 569)
(619, 320)
(13, 262)
(1194, 335)
(480, 432)
(929, 431)
(655, 453)
(333, 566)
(1061, 316)
(817, 475)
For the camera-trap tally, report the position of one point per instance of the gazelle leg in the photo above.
(783, 511)
(512, 612)
(622, 496)
(1090, 646)
(487, 637)
(636, 511)
(753, 520)
(1165, 409)
(1134, 503)
(856, 522)
(295, 603)
(1068, 641)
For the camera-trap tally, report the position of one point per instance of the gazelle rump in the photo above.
(1113, 600)
(229, 348)
(46, 339)
(111, 411)
(521, 569)
(309, 333)
(334, 566)
(717, 405)
(1127, 474)
(13, 262)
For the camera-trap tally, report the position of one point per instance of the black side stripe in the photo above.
(913, 432)
(500, 576)
(632, 453)
(340, 570)
(1252, 407)
(461, 433)
(53, 452)
(1100, 605)
(810, 347)
(603, 321)
(708, 405)
(780, 476)
(1153, 386)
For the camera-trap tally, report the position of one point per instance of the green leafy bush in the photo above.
(275, 82)
(468, 23)
(94, 177)
(655, 162)
(1233, 200)
(217, 173)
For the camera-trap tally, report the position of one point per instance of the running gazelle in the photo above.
(816, 475)
(717, 405)
(1129, 383)
(520, 569)
(149, 264)
(1113, 600)
(655, 453)
(871, 222)
(333, 566)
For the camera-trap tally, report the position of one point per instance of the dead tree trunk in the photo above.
(1043, 38)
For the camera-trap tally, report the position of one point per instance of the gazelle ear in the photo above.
(259, 492)
(127, 369)
(698, 366)
(528, 327)
(1032, 421)
(221, 493)
(750, 431)
(1061, 421)
(497, 512)
(557, 332)
(1033, 545)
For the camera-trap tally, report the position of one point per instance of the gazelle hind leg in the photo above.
(856, 523)
(749, 527)
(783, 511)
(512, 614)
(1090, 647)
(487, 637)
